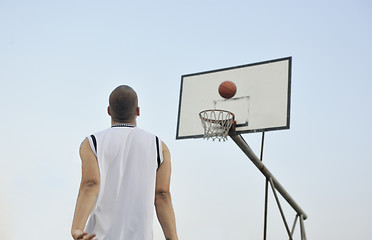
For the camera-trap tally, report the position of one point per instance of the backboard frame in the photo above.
(286, 126)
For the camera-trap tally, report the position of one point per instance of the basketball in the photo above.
(227, 89)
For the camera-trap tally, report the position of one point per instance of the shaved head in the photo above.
(123, 104)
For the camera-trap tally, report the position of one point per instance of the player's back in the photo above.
(128, 158)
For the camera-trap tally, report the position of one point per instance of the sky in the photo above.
(59, 61)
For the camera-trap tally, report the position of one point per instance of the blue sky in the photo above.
(60, 60)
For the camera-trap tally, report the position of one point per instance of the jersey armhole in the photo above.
(93, 143)
(159, 151)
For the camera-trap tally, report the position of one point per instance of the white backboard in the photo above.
(261, 103)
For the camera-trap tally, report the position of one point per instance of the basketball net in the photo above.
(216, 123)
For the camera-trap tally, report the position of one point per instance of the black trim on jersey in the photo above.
(94, 142)
(157, 149)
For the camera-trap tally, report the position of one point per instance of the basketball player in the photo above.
(125, 170)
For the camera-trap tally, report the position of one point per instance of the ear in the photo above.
(108, 111)
(138, 111)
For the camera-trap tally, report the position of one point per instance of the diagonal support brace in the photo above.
(256, 161)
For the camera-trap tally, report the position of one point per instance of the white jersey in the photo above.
(128, 158)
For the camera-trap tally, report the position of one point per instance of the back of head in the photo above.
(123, 104)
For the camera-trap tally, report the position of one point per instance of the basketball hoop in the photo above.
(216, 123)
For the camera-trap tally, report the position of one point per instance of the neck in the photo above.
(134, 122)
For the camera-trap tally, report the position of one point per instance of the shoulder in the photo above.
(86, 149)
(165, 149)
(102, 132)
(153, 137)
(84, 144)
(145, 133)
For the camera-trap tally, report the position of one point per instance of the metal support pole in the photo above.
(302, 227)
(266, 205)
(262, 145)
(266, 189)
(294, 225)
(280, 209)
(252, 156)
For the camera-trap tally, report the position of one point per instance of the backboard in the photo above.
(261, 103)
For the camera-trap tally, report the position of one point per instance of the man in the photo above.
(124, 171)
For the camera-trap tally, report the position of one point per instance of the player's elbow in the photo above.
(161, 196)
(89, 184)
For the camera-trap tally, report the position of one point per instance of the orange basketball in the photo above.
(227, 89)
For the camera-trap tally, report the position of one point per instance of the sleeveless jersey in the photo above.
(128, 158)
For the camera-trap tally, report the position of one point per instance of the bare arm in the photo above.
(88, 191)
(163, 201)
